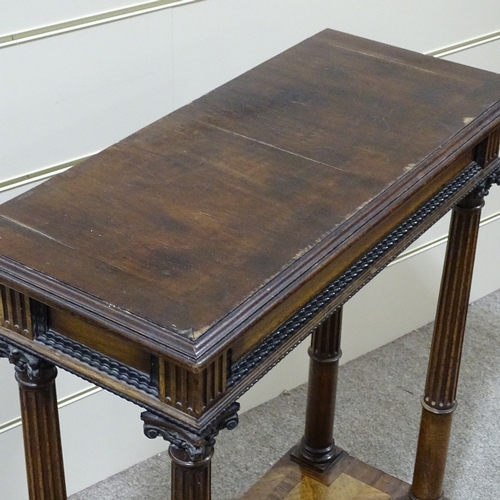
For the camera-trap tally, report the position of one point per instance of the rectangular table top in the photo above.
(206, 221)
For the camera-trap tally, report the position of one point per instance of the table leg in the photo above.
(317, 448)
(191, 476)
(42, 441)
(442, 377)
(191, 452)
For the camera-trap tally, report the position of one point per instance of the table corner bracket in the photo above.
(193, 442)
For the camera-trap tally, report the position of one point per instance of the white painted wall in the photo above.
(68, 96)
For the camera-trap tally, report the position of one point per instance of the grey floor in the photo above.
(377, 421)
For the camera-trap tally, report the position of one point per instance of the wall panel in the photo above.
(9, 407)
(72, 95)
(208, 53)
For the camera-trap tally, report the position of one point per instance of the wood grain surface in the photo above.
(348, 479)
(229, 205)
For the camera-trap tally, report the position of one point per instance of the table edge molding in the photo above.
(279, 337)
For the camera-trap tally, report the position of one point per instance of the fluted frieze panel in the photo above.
(492, 147)
(15, 311)
(191, 392)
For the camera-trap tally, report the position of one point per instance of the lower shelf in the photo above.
(347, 479)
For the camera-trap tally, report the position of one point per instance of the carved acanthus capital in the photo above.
(483, 189)
(155, 426)
(228, 419)
(26, 363)
(29, 368)
(197, 445)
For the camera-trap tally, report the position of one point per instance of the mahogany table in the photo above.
(178, 266)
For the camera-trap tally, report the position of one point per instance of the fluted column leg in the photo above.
(317, 448)
(191, 452)
(42, 442)
(191, 476)
(439, 399)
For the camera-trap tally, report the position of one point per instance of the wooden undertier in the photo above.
(347, 479)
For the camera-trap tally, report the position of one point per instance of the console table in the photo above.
(179, 265)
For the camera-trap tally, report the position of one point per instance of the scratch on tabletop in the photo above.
(275, 147)
(29, 228)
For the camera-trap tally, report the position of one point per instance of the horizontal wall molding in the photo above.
(466, 45)
(74, 398)
(38, 175)
(147, 7)
(88, 22)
